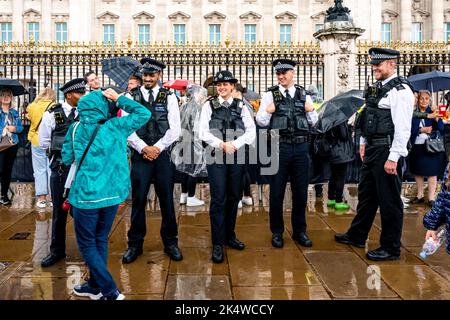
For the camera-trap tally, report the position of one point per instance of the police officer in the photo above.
(52, 131)
(226, 125)
(151, 160)
(288, 109)
(385, 126)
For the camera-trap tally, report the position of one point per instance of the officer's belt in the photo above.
(294, 140)
(378, 142)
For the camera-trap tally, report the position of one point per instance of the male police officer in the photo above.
(385, 126)
(151, 159)
(52, 131)
(226, 125)
(288, 109)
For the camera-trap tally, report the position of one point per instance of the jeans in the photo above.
(41, 170)
(92, 227)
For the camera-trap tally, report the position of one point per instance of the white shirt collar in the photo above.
(291, 90)
(67, 107)
(222, 100)
(389, 79)
(155, 90)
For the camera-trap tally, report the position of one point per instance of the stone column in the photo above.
(437, 20)
(375, 20)
(46, 21)
(338, 45)
(405, 20)
(79, 25)
(17, 21)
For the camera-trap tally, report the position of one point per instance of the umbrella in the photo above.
(177, 84)
(120, 69)
(432, 81)
(252, 96)
(338, 110)
(14, 85)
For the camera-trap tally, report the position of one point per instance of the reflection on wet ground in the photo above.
(328, 270)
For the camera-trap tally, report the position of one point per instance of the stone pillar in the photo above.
(17, 21)
(437, 20)
(338, 45)
(46, 27)
(375, 20)
(405, 20)
(79, 25)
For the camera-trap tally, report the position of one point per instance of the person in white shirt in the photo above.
(226, 126)
(52, 131)
(288, 110)
(385, 125)
(151, 161)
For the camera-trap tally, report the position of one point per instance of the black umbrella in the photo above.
(338, 110)
(432, 81)
(14, 85)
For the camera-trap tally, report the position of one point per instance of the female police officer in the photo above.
(226, 126)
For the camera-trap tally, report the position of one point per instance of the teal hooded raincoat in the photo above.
(104, 177)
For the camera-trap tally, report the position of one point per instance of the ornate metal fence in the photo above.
(39, 64)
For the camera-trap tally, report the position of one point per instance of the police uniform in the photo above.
(388, 102)
(224, 121)
(161, 131)
(293, 124)
(52, 131)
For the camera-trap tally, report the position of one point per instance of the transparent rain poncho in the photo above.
(188, 154)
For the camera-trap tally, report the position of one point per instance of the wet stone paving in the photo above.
(327, 271)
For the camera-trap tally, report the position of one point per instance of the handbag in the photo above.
(435, 143)
(7, 140)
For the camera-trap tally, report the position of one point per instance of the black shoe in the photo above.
(131, 254)
(303, 239)
(217, 256)
(4, 200)
(236, 244)
(381, 255)
(277, 240)
(174, 253)
(51, 259)
(431, 203)
(345, 239)
(418, 201)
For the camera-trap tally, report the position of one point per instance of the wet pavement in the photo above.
(328, 270)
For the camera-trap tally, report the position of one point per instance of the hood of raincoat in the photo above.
(93, 107)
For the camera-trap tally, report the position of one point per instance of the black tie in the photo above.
(288, 96)
(72, 114)
(379, 84)
(151, 99)
(225, 104)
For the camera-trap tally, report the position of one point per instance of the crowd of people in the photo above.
(90, 150)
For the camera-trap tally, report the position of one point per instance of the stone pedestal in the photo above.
(338, 45)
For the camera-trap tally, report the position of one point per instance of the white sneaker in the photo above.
(183, 198)
(247, 201)
(405, 199)
(405, 205)
(194, 202)
(41, 204)
(50, 204)
(121, 297)
(240, 205)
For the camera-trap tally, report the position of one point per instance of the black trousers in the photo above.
(337, 181)
(247, 182)
(377, 189)
(59, 222)
(142, 174)
(188, 185)
(294, 163)
(7, 158)
(225, 181)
